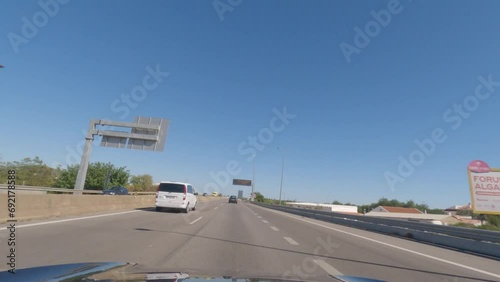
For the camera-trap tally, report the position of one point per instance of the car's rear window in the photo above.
(172, 187)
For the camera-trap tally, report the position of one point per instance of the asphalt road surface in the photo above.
(239, 240)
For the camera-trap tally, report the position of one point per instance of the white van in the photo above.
(175, 195)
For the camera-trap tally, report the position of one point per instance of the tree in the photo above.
(382, 202)
(31, 172)
(422, 207)
(67, 178)
(96, 176)
(141, 183)
(259, 197)
(410, 204)
(336, 203)
(395, 203)
(435, 211)
(492, 219)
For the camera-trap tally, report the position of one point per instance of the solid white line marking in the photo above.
(326, 267)
(265, 221)
(70, 219)
(392, 246)
(291, 241)
(196, 220)
(274, 228)
(215, 208)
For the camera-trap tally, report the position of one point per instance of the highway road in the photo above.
(243, 240)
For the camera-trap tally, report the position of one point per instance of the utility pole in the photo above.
(253, 179)
(282, 170)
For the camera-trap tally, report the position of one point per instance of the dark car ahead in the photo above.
(117, 190)
(233, 199)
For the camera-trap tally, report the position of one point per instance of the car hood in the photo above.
(121, 271)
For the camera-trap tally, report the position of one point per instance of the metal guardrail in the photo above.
(482, 242)
(462, 232)
(65, 190)
(467, 233)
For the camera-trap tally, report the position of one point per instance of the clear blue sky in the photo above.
(353, 120)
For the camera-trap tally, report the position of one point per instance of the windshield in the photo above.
(271, 139)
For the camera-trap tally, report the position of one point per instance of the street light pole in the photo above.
(282, 169)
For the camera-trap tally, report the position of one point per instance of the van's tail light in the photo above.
(184, 197)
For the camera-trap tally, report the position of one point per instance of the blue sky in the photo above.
(352, 120)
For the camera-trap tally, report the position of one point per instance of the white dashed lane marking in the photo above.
(196, 220)
(326, 267)
(291, 241)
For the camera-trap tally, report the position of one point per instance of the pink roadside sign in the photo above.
(484, 187)
(478, 166)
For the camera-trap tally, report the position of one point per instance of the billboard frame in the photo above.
(473, 198)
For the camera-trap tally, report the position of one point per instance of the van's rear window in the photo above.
(171, 187)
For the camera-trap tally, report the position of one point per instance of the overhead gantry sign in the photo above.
(145, 133)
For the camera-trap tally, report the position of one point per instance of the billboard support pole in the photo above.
(84, 163)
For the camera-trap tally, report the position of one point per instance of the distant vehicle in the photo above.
(215, 194)
(205, 194)
(233, 199)
(175, 195)
(117, 190)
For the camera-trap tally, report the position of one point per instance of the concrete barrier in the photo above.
(29, 207)
(32, 206)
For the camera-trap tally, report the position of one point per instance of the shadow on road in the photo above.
(163, 210)
(314, 255)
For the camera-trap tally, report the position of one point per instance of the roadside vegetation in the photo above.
(395, 203)
(487, 226)
(261, 199)
(34, 172)
(491, 221)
